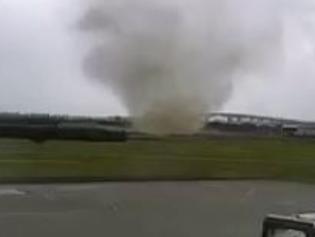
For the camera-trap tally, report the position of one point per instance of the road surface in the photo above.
(174, 209)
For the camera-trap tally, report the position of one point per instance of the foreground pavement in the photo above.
(174, 209)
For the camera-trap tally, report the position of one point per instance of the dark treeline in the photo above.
(55, 119)
(42, 127)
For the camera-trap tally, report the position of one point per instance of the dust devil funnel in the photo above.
(170, 62)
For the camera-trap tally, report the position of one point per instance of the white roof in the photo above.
(307, 216)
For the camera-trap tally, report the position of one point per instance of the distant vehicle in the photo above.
(300, 225)
(299, 130)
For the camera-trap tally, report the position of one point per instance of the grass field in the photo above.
(285, 159)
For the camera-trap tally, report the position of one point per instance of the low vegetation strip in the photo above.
(173, 158)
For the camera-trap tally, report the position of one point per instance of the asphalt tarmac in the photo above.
(164, 209)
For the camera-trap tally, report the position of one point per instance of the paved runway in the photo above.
(174, 209)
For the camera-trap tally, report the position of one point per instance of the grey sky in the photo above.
(40, 61)
(41, 54)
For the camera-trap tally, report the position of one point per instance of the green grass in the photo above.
(237, 158)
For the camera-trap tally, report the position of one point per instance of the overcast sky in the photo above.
(40, 60)
(41, 53)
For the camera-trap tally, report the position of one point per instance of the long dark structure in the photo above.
(42, 127)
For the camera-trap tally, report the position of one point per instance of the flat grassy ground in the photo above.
(285, 159)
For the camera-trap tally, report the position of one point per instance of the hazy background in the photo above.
(41, 55)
